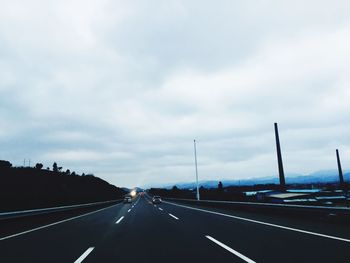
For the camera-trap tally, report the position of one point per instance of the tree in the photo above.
(68, 172)
(5, 164)
(39, 166)
(54, 167)
(220, 187)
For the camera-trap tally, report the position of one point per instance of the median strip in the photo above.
(84, 255)
(241, 256)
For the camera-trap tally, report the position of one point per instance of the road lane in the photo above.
(168, 233)
(66, 241)
(150, 235)
(11, 226)
(262, 243)
(323, 225)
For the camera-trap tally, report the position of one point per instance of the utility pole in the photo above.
(195, 161)
(340, 171)
(279, 159)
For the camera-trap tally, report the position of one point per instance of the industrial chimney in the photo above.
(340, 171)
(279, 159)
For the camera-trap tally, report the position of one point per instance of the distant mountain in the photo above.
(324, 176)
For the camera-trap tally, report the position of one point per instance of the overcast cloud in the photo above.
(121, 88)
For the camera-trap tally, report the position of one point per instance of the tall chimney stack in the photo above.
(340, 171)
(279, 159)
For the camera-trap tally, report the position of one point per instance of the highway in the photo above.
(172, 232)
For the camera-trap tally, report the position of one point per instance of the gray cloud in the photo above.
(120, 88)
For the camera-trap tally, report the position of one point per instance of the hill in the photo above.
(29, 187)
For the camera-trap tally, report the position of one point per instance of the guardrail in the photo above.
(15, 214)
(305, 210)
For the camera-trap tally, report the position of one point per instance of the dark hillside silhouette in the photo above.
(33, 187)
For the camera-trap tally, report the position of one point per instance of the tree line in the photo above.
(35, 187)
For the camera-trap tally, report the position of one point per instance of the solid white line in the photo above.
(84, 255)
(160, 209)
(56, 223)
(129, 210)
(246, 259)
(120, 219)
(264, 223)
(173, 216)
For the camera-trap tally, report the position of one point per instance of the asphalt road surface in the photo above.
(170, 232)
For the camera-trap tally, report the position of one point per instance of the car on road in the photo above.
(127, 199)
(156, 199)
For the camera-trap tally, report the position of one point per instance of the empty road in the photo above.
(170, 232)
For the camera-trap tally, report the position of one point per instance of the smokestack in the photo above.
(341, 178)
(279, 159)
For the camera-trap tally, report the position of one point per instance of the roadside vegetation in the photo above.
(35, 187)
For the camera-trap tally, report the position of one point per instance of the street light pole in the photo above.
(195, 161)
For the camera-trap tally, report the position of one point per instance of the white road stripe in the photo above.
(173, 216)
(160, 209)
(120, 219)
(56, 223)
(84, 255)
(246, 259)
(129, 210)
(264, 223)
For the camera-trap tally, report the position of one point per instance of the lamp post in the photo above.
(195, 161)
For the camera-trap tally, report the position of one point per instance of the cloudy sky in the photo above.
(121, 88)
